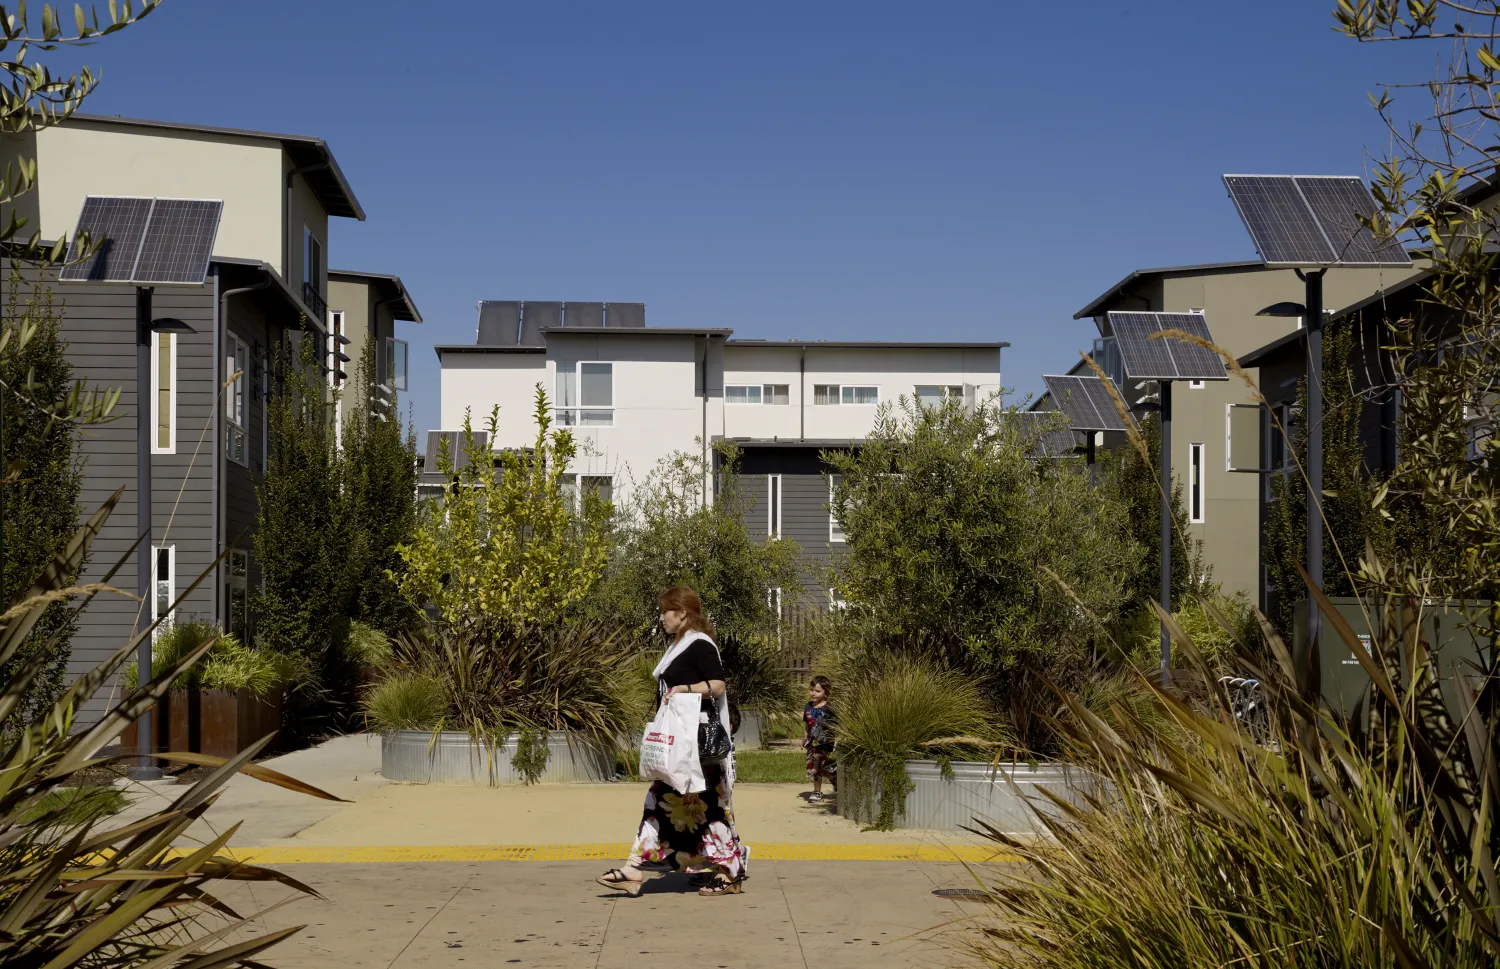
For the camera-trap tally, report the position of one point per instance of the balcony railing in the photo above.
(315, 301)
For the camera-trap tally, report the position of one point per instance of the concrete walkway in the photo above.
(459, 876)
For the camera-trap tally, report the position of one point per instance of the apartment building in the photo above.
(267, 282)
(634, 395)
(1223, 504)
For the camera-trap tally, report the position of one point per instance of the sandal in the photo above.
(723, 886)
(616, 879)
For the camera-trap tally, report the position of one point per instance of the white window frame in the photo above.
(236, 400)
(836, 602)
(830, 399)
(854, 387)
(156, 342)
(946, 392)
(157, 582)
(759, 390)
(774, 495)
(572, 415)
(835, 530)
(1197, 491)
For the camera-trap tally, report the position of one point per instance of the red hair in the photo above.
(680, 598)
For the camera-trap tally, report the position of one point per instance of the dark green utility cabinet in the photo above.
(1447, 628)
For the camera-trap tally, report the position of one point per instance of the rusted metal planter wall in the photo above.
(452, 757)
(218, 722)
(997, 795)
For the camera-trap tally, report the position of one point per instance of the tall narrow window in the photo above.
(835, 528)
(164, 397)
(1195, 482)
(236, 367)
(163, 582)
(395, 363)
(773, 505)
(596, 394)
(237, 595)
(312, 272)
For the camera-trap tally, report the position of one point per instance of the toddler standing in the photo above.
(818, 719)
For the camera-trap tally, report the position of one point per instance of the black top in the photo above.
(699, 663)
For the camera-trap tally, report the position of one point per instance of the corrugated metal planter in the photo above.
(453, 757)
(748, 736)
(1001, 795)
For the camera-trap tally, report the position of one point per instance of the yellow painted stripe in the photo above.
(602, 851)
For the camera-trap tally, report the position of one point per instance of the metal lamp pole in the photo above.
(1166, 529)
(145, 769)
(1313, 301)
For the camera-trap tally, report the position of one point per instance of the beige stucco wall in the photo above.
(83, 158)
(304, 211)
(1230, 530)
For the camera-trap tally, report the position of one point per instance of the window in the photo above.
(164, 385)
(395, 363)
(773, 602)
(312, 261)
(163, 582)
(777, 394)
(585, 394)
(933, 395)
(839, 394)
(237, 595)
(836, 601)
(1195, 482)
(1242, 448)
(601, 486)
(1197, 384)
(336, 376)
(835, 530)
(236, 365)
(773, 505)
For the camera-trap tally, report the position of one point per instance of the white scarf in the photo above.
(721, 704)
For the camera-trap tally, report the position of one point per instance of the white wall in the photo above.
(478, 381)
(894, 370)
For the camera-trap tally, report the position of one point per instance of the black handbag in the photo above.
(713, 739)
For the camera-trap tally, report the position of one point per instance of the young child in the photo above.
(818, 719)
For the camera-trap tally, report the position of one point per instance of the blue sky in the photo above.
(947, 171)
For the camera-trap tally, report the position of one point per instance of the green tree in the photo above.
(1351, 521)
(1136, 481)
(378, 468)
(952, 530)
(504, 549)
(303, 539)
(669, 536)
(42, 482)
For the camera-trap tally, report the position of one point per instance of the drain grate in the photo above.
(963, 894)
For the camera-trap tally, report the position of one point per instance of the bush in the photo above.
(1216, 644)
(755, 678)
(228, 664)
(907, 709)
(369, 646)
(406, 702)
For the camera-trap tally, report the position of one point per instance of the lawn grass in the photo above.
(770, 767)
(77, 806)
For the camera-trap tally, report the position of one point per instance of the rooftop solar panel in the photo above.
(499, 323)
(178, 241)
(115, 226)
(1148, 357)
(1311, 220)
(144, 241)
(583, 314)
(1086, 402)
(1055, 442)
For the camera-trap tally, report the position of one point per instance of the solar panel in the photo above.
(178, 242)
(583, 314)
(1311, 220)
(1338, 201)
(115, 226)
(499, 323)
(1165, 358)
(144, 241)
(625, 314)
(1086, 402)
(1057, 442)
(538, 316)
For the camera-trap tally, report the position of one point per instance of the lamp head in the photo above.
(1284, 309)
(167, 324)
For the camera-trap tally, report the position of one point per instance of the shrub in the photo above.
(406, 702)
(368, 646)
(1310, 847)
(908, 708)
(669, 536)
(228, 664)
(755, 678)
(1216, 644)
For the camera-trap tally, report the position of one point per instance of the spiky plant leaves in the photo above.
(88, 893)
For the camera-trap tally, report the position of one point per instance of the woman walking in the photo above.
(689, 831)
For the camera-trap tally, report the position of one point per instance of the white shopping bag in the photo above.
(669, 747)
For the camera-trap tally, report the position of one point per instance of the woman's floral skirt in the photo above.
(691, 831)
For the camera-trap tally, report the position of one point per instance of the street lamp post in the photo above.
(145, 769)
